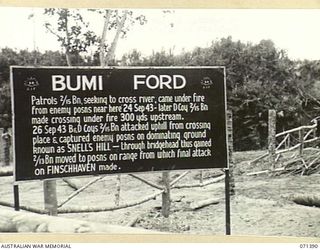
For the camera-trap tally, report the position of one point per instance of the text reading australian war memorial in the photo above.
(91, 121)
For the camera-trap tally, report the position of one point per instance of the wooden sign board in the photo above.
(91, 121)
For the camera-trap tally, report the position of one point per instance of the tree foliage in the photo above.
(259, 77)
(10, 57)
(71, 31)
(76, 36)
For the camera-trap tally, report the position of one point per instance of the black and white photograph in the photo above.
(152, 121)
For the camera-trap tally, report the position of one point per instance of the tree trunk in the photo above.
(50, 196)
(118, 190)
(307, 200)
(111, 52)
(68, 55)
(103, 38)
(204, 203)
(11, 221)
(166, 194)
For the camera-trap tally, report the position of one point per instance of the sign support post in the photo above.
(227, 196)
(229, 180)
(16, 197)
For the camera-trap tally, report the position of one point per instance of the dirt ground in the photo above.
(262, 205)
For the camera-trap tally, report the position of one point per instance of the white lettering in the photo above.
(136, 81)
(165, 83)
(92, 84)
(159, 82)
(82, 82)
(175, 82)
(69, 87)
(58, 83)
(156, 81)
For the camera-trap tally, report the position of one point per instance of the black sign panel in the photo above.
(90, 121)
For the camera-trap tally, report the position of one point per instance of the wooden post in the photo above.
(318, 127)
(166, 194)
(230, 151)
(227, 196)
(6, 140)
(10, 154)
(16, 197)
(272, 138)
(50, 197)
(1, 147)
(118, 190)
(301, 141)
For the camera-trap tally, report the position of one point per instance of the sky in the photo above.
(296, 31)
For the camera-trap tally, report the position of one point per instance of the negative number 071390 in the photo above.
(309, 246)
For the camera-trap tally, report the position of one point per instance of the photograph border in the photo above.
(166, 4)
